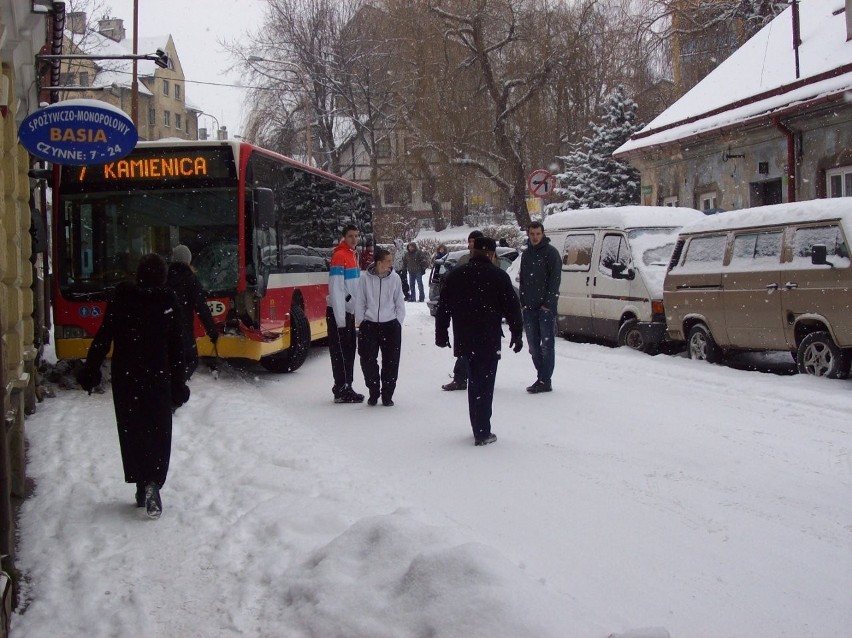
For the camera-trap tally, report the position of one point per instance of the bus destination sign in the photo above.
(78, 133)
(160, 166)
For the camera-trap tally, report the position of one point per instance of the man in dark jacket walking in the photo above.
(142, 324)
(183, 281)
(541, 272)
(476, 297)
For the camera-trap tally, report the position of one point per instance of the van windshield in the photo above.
(652, 246)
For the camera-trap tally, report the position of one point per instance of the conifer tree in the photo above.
(591, 177)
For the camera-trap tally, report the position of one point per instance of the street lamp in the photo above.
(309, 151)
(213, 117)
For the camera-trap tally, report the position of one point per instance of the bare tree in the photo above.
(698, 35)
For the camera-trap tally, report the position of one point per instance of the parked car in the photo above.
(763, 279)
(613, 264)
(505, 257)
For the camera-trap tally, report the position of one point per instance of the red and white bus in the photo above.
(260, 226)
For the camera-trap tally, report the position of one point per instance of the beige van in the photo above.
(613, 264)
(769, 278)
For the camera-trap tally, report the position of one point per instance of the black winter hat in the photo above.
(151, 271)
(485, 243)
(474, 234)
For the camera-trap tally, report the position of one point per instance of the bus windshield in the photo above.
(102, 235)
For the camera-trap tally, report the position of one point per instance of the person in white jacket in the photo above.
(380, 311)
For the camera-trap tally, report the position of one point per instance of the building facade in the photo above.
(402, 186)
(163, 110)
(771, 124)
(23, 29)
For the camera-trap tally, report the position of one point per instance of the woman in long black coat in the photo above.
(142, 323)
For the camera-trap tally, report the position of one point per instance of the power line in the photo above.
(230, 86)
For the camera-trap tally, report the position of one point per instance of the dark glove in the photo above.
(517, 343)
(442, 341)
(89, 378)
(180, 395)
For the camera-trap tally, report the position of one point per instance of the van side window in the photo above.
(756, 249)
(614, 250)
(577, 253)
(830, 236)
(704, 251)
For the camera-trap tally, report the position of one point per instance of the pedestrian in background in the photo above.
(440, 253)
(142, 324)
(416, 263)
(379, 313)
(460, 368)
(191, 301)
(541, 273)
(343, 278)
(399, 267)
(366, 258)
(476, 298)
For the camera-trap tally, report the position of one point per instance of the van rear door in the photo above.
(751, 297)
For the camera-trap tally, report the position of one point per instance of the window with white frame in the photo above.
(706, 201)
(670, 201)
(839, 182)
(178, 122)
(177, 91)
(165, 87)
(167, 118)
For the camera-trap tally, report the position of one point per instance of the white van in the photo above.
(614, 261)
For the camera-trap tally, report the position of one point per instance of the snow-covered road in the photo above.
(643, 492)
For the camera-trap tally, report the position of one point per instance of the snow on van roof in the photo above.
(622, 217)
(793, 212)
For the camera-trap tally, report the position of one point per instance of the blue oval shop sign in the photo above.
(78, 132)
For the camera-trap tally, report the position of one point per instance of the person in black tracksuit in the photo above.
(183, 281)
(380, 311)
(142, 324)
(476, 297)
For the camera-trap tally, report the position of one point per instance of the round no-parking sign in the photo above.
(541, 183)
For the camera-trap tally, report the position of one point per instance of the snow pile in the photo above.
(408, 578)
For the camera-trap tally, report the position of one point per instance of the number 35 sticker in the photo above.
(216, 308)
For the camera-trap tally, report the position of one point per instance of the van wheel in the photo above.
(820, 356)
(701, 345)
(300, 342)
(631, 336)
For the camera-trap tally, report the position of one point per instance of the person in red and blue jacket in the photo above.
(343, 278)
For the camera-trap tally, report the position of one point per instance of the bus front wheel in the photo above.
(300, 342)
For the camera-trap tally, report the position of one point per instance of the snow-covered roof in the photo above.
(793, 212)
(759, 79)
(120, 72)
(623, 217)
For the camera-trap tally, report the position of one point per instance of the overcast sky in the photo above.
(197, 30)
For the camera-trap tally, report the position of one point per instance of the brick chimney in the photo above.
(112, 28)
(76, 22)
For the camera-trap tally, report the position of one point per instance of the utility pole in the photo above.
(134, 97)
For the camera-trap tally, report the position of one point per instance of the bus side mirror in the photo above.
(264, 208)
